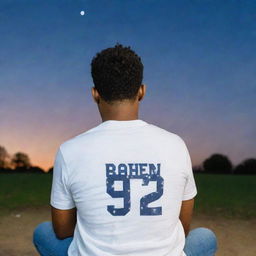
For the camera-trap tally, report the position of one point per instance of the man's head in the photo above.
(117, 74)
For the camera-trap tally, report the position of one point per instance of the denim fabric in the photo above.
(199, 242)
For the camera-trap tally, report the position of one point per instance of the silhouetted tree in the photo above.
(20, 161)
(197, 169)
(36, 169)
(3, 158)
(217, 163)
(248, 166)
(50, 171)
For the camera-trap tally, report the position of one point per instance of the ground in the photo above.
(236, 237)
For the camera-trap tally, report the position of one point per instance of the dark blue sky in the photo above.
(199, 67)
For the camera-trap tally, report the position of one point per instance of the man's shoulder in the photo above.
(76, 140)
(74, 143)
(166, 134)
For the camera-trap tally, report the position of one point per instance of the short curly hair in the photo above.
(117, 73)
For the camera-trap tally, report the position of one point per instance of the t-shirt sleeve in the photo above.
(61, 197)
(190, 189)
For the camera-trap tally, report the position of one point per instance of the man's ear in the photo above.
(142, 92)
(95, 95)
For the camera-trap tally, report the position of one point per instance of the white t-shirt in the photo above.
(127, 180)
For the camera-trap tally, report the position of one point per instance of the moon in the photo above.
(82, 13)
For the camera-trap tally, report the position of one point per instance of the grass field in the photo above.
(226, 195)
(221, 195)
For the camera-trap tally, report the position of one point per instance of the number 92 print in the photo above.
(124, 172)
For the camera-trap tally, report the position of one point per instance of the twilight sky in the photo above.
(199, 67)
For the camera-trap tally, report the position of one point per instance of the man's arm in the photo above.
(189, 193)
(64, 222)
(186, 212)
(63, 208)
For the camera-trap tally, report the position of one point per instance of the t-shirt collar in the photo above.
(122, 123)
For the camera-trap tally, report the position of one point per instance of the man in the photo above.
(124, 187)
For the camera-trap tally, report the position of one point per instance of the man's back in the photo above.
(127, 180)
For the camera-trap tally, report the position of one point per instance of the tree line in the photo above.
(215, 164)
(219, 163)
(18, 163)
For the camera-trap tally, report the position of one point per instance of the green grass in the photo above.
(226, 195)
(24, 190)
(221, 195)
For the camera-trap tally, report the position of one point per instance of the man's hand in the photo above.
(64, 222)
(186, 212)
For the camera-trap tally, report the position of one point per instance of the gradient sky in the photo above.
(199, 67)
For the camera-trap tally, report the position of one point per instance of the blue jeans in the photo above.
(199, 242)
